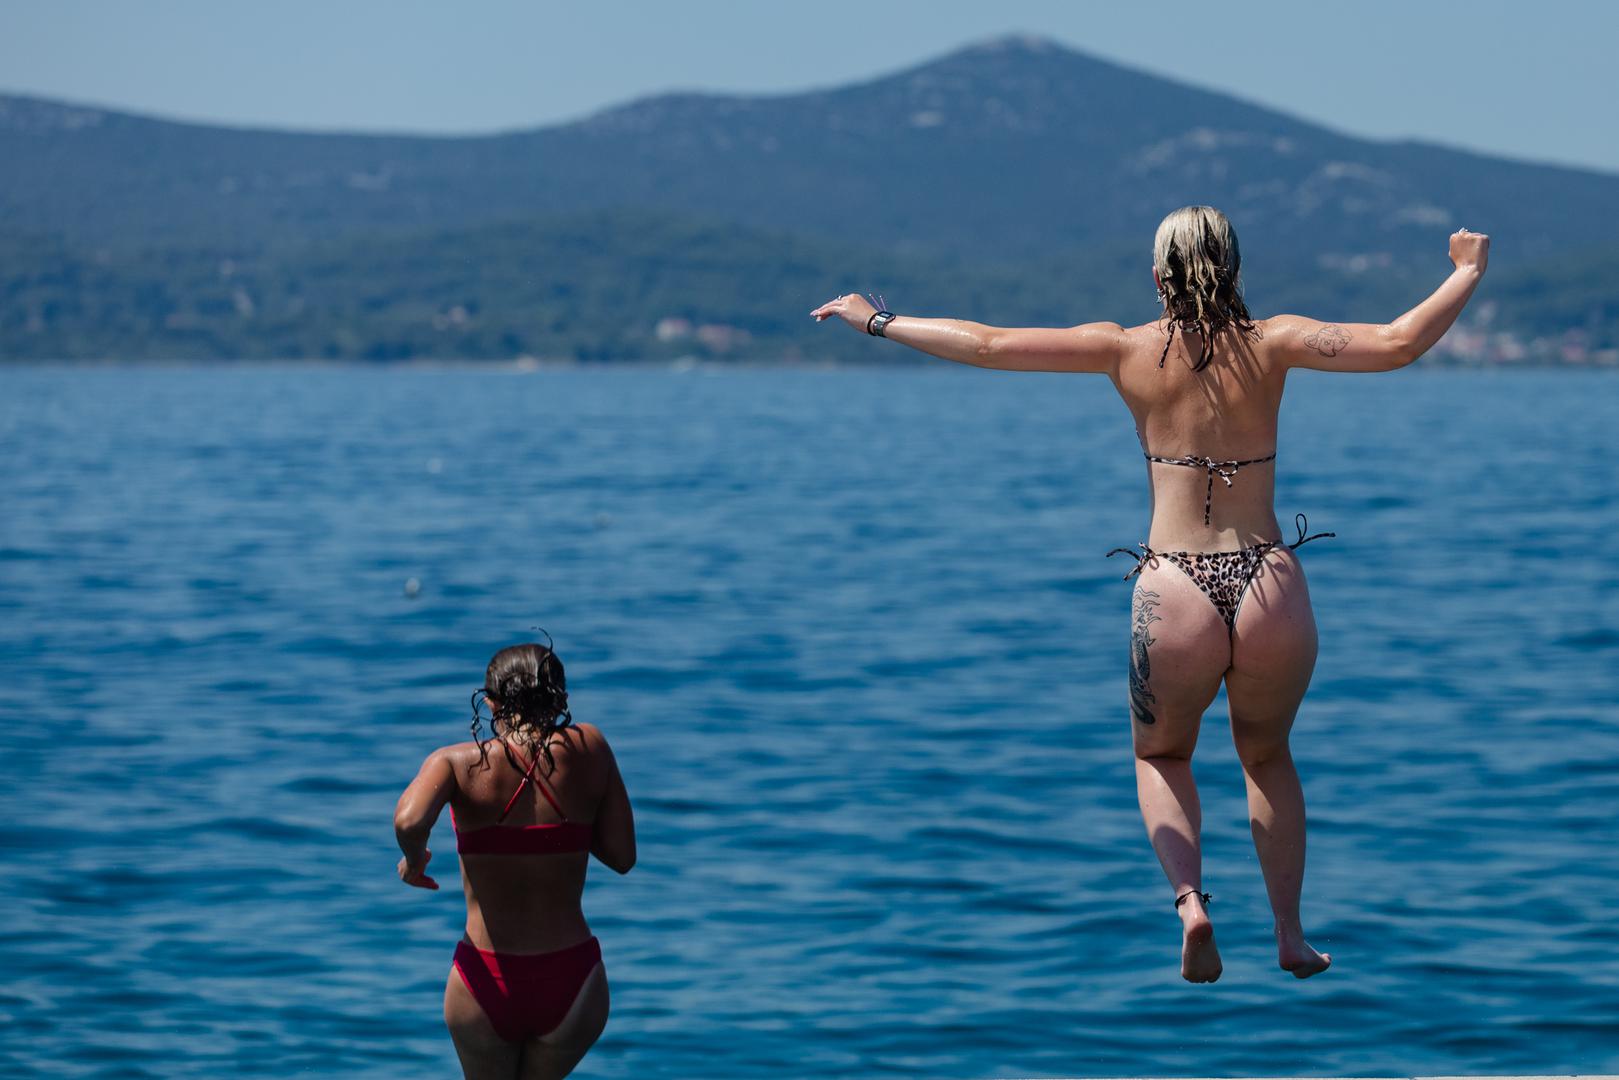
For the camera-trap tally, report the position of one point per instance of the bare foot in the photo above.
(1300, 959)
(1200, 960)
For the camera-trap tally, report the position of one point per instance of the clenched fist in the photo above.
(1469, 250)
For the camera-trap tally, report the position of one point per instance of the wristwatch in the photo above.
(877, 325)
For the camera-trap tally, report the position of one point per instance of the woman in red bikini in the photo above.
(1219, 596)
(527, 993)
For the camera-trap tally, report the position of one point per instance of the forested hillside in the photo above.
(1014, 181)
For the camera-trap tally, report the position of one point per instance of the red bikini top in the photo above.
(549, 839)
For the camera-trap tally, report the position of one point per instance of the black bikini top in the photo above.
(1225, 470)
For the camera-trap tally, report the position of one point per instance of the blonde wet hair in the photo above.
(1199, 266)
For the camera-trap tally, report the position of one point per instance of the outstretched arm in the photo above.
(1092, 347)
(1308, 343)
(419, 807)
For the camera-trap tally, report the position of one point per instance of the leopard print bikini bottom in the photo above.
(1222, 576)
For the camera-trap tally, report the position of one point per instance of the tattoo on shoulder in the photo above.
(1328, 340)
(1141, 698)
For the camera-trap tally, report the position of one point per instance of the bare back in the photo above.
(529, 903)
(1226, 412)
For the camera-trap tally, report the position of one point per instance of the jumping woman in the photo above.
(1219, 595)
(527, 993)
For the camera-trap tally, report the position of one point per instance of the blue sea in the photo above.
(854, 641)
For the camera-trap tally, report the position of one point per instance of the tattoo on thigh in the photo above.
(1328, 340)
(1140, 667)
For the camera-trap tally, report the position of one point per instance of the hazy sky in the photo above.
(1527, 79)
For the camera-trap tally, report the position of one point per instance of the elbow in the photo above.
(986, 351)
(1399, 349)
(626, 859)
(409, 829)
(620, 861)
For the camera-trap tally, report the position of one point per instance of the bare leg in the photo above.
(1174, 820)
(484, 1055)
(1179, 650)
(1276, 816)
(1272, 659)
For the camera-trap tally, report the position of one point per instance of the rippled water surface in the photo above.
(853, 638)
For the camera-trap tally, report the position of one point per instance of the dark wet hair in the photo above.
(527, 691)
(1199, 267)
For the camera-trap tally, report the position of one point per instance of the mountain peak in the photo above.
(1011, 52)
(1030, 44)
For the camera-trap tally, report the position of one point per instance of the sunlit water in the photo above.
(854, 640)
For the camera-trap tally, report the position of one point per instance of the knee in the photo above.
(1149, 753)
(1255, 753)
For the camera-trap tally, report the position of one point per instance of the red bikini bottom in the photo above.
(526, 995)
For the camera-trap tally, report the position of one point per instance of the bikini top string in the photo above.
(1225, 470)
